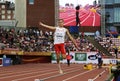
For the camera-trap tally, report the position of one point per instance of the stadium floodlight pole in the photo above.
(56, 11)
(102, 3)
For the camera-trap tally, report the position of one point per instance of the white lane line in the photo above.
(35, 76)
(98, 75)
(17, 69)
(86, 18)
(80, 18)
(69, 17)
(36, 71)
(24, 74)
(29, 71)
(59, 75)
(9, 70)
(94, 19)
(41, 75)
(69, 22)
(77, 75)
(65, 17)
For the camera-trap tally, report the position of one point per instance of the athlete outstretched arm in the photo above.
(47, 26)
(71, 38)
(53, 28)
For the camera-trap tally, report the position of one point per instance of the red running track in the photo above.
(49, 72)
(87, 17)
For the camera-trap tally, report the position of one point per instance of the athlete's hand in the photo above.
(40, 23)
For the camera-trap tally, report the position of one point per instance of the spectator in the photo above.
(68, 57)
(116, 51)
(100, 61)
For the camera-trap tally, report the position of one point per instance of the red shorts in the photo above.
(60, 48)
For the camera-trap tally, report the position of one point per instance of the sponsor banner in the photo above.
(108, 61)
(53, 57)
(91, 57)
(20, 53)
(12, 52)
(6, 61)
(31, 60)
(38, 53)
(79, 57)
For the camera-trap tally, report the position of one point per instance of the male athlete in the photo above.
(59, 39)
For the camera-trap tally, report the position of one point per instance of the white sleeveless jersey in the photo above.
(59, 35)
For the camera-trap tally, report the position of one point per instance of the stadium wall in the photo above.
(41, 10)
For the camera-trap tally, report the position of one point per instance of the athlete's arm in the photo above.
(47, 26)
(71, 38)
